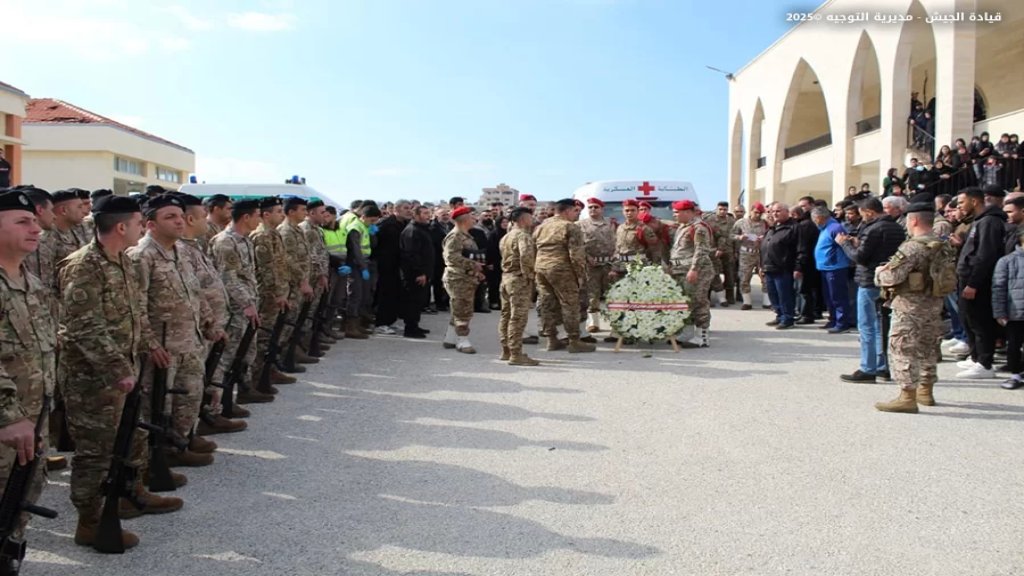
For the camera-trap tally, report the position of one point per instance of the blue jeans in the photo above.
(872, 358)
(851, 290)
(836, 296)
(954, 317)
(782, 295)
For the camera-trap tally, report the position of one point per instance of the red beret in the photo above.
(577, 203)
(595, 201)
(629, 202)
(461, 211)
(757, 207)
(526, 197)
(683, 205)
(646, 217)
(646, 205)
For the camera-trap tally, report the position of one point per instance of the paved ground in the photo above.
(751, 457)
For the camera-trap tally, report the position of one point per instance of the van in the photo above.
(659, 193)
(247, 191)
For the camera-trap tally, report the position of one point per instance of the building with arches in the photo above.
(826, 106)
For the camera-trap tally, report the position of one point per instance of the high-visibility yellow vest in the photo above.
(335, 240)
(364, 235)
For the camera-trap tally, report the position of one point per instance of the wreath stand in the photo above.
(672, 340)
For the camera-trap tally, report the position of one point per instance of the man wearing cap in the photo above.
(320, 269)
(692, 266)
(748, 233)
(29, 342)
(172, 318)
(41, 261)
(528, 201)
(233, 254)
(101, 341)
(721, 223)
(461, 277)
(85, 229)
(561, 266)
(67, 210)
(599, 244)
(218, 216)
(634, 239)
(518, 258)
(299, 266)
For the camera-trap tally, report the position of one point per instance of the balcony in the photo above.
(808, 146)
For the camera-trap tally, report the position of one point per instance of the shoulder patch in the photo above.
(79, 296)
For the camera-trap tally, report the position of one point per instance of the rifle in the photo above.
(13, 503)
(273, 350)
(236, 373)
(120, 481)
(59, 420)
(318, 321)
(293, 342)
(213, 360)
(160, 479)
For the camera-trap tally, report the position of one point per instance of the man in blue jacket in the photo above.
(833, 264)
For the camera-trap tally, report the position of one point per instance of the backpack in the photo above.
(941, 268)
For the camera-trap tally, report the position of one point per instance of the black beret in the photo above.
(294, 202)
(188, 199)
(517, 213)
(97, 194)
(269, 202)
(921, 207)
(162, 201)
(153, 189)
(315, 204)
(216, 199)
(994, 191)
(63, 196)
(245, 206)
(15, 200)
(81, 193)
(115, 205)
(566, 203)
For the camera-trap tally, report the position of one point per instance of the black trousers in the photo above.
(981, 327)
(810, 289)
(440, 295)
(494, 286)
(1014, 342)
(414, 299)
(389, 293)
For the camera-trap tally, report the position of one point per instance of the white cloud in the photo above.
(226, 170)
(261, 21)
(187, 19)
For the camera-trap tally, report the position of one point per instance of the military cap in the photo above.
(63, 196)
(187, 199)
(97, 194)
(162, 201)
(15, 200)
(294, 202)
(518, 213)
(269, 202)
(461, 211)
(527, 198)
(630, 202)
(315, 204)
(245, 206)
(758, 207)
(216, 199)
(115, 205)
(154, 189)
(566, 203)
(646, 204)
(595, 201)
(80, 193)
(683, 205)
(920, 207)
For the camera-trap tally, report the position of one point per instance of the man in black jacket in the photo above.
(386, 253)
(439, 228)
(778, 260)
(807, 271)
(981, 250)
(493, 270)
(417, 261)
(879, 238)
(479, 234)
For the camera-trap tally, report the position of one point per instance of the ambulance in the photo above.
(247, 191)
(659, 193)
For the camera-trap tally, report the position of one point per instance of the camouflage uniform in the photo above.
(459, 278)
(518, 255)
(724, 264)
(272, 275)
(750, 250)
(627, 243)
(598, 242)
(561, 270)
(212, 288)
(173, 310)
(65, 242)
(100, 336)
(85, 229)
(916, 316)
(320, 265)
(206, 240)
(299, 261)
(42, 263)
(941, 228)
(232, 254)
(692, 251)
(28, 343)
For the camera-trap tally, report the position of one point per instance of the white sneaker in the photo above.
(978, 372)
(386, 330)
(967, 364)
(948, 342)
(960, 348)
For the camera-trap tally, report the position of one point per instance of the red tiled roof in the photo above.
(9, 88)
(53, 111)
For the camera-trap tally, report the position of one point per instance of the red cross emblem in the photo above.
(646, 188)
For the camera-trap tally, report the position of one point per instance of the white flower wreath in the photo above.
(646, 305)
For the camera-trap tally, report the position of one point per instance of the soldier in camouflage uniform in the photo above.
(232, 254)
(218, 216)
(628, 239)
(319, 272)
(41, 262)
(300, 267)
(916, 314)
(721, 222)
(272, 277)
(461, 277)
(67, 209)
(85, 229)
(518, 256)
(561, 272)
(599, 244)
(172, 313)
(747, 233)
(28, 343)
(101, 338)
(692, 266)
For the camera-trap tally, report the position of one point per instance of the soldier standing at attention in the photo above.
(599, 244)
(461, 277)
(299, 266)
(561, 272)
(748, 233)
(41, 261)
(916, 313)
(634, 238)
(692, 266)
(272, 280)
(320, 265)
(518, 257)
(67, 209)
(29, 342)
(721, 221)
(218, 216)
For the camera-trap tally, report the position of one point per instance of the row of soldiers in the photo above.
(129, 288)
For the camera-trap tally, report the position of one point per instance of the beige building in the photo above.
(503, 193)
(67, 146)
(827, 105)
(12, 113)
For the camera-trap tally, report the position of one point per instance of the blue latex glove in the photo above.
(344, 270)
(366, 275)
(373, 229)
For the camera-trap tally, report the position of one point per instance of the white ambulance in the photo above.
(659, 193)
(246, 191)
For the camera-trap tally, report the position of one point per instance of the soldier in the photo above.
(518, 254)
(916, 312)
(319, 271)
(738, 213)
(721, 222)
(232, 254)
(634, 238)
(748, 233)
(85, 229)
(218, 216)
(101, 336)
(67, 209)
(87, 223)
(272, 278)
(172, 312)
(561, 273)
(41, 261)
(28, 344)
(299, 266)
(461, 276)
(599, 243)
(692, 266)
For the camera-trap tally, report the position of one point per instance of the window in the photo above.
(168, 175)
(128, 166)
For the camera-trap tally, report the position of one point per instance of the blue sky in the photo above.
(407, 98)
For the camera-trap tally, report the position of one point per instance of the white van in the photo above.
(242, 191)
(659, 193)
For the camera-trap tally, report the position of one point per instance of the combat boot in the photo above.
(88, 526)
(505, 354)
(238, 412)
(188, 458)
(465, 346)
(179, 480)
(269, 390)
(522, 360)
(905, 403)
(55, 463)
(201, 445)
(252, 397)
(577, 346)
(353, 332)
(210, 425)
(278, 377)
(302, 358)
(154, 503)
(554, 344)
(747, 302)
(924, 395)
(588, 339)
(333, 334)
